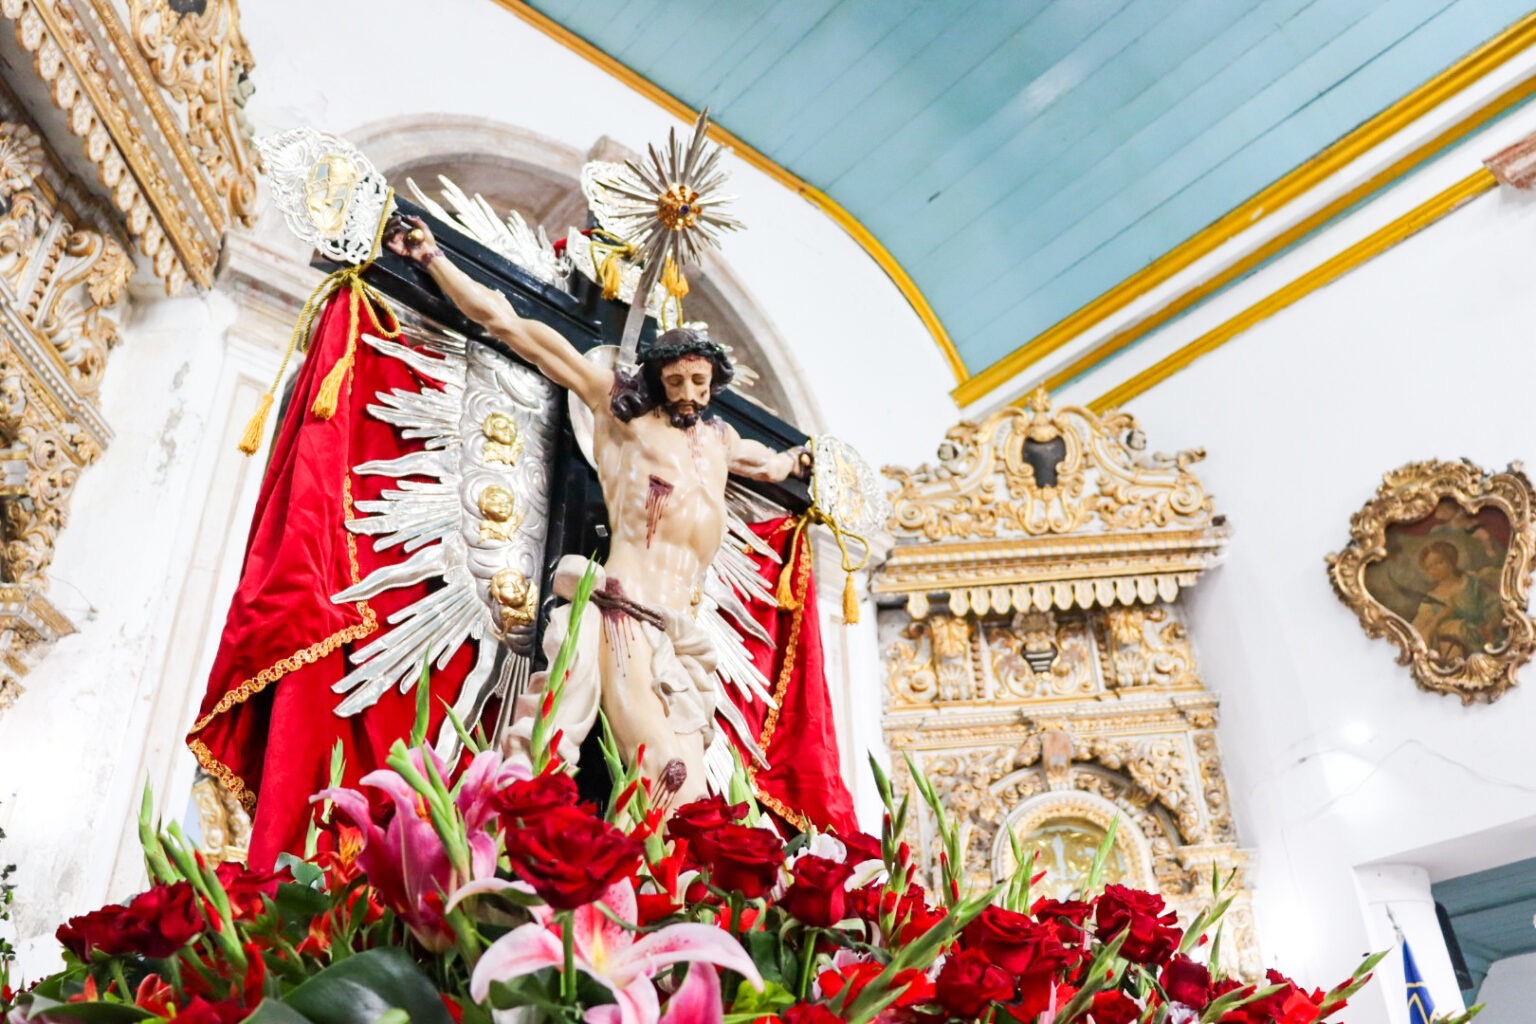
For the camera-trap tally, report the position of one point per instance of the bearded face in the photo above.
(685, 383)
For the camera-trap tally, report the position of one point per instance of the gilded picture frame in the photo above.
(1439, 562)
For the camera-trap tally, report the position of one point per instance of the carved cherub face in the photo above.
(497, 503)
(686, 382)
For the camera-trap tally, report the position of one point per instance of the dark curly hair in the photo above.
(637, 394)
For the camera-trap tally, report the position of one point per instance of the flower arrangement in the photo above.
(499, 896)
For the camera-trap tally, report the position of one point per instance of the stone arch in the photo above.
(516, 168)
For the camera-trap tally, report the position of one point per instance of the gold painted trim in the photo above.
(756, 158)
(1118, 342)
(1331, 269)
(1474, 66)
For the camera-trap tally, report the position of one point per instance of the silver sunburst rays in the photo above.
(669, 208)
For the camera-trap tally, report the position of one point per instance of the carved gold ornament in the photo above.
(503, 441)
(329, 193)
(1015, 497)
(516, 597)
(501, 515)
(1439, 562)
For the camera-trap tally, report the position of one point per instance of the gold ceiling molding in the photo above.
(157, 103)
(64, 271)
(1043, 507)
(756, 158)
(1458, 77)
(1330, 270)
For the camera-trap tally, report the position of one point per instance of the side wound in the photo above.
(655, 505)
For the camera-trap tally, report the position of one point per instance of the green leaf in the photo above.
(311, 876)
(773, 998)
(362, 988)
(273, 1012)
(423, 705)
(300, 902)
(1101, 858)
(91, 1013)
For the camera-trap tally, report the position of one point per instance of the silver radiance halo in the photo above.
(668, 206)
(330, 193)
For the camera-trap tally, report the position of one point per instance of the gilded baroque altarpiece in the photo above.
(122, 138)
(1037, 665)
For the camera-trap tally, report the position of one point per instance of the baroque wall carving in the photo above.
(63, 273)
(155, 92)
(1059, 691)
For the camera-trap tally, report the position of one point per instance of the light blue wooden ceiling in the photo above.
(1491, 913)
(1021, 157)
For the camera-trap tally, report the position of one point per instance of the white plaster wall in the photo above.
(104, 712)
(1335, 758)
(1509, 991)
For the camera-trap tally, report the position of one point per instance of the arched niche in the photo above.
(1062, 827)
(518, 169)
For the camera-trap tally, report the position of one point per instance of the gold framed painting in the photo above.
(1439, 562)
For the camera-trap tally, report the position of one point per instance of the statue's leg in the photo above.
(640, 717)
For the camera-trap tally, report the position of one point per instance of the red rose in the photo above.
(1290, 1005)
(1151, 935)
(527, 798)
(914, 984)
(861, 846)
(571, 857)
(200, 1011)
(703, 815)
(817, 896)
(809, 1013)
(1114, 1007)
(246, 889)
(1023, 947)
(740, 858)
(155, 924)
(1068, 917)
(1187, 982)
(969, 982)
(1015, 942)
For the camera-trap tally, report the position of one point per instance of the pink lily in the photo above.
(403, 855)
(610, 954)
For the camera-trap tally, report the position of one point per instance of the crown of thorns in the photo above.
(680, 343)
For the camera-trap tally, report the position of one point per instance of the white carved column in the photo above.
(1401, 893)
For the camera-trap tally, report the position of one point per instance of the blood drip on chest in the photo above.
(655, 506)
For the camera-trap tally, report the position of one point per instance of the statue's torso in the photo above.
(665, 491)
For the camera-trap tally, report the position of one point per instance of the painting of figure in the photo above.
(1441, 574)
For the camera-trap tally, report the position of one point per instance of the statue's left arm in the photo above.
(757, 461)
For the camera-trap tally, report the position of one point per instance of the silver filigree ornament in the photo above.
(329, 192)
(526, 246)
(487, 426)
(846, 488)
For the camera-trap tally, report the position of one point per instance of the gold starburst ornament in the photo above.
(668, 207)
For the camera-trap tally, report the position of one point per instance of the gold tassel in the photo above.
(786, 589)
(612, 276)
(250, 441)
(850, 601)
(329, 398)
(673, 280)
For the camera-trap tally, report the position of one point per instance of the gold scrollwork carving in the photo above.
(1027, 472)
(1147, 646)
(1439, 562)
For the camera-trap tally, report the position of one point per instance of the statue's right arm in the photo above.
(538, 343)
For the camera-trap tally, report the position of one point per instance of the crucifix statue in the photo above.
(662, 462)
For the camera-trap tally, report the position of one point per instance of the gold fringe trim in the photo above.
(799, 569)
(272, 673)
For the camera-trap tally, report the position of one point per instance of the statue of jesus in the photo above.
(662, 463)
